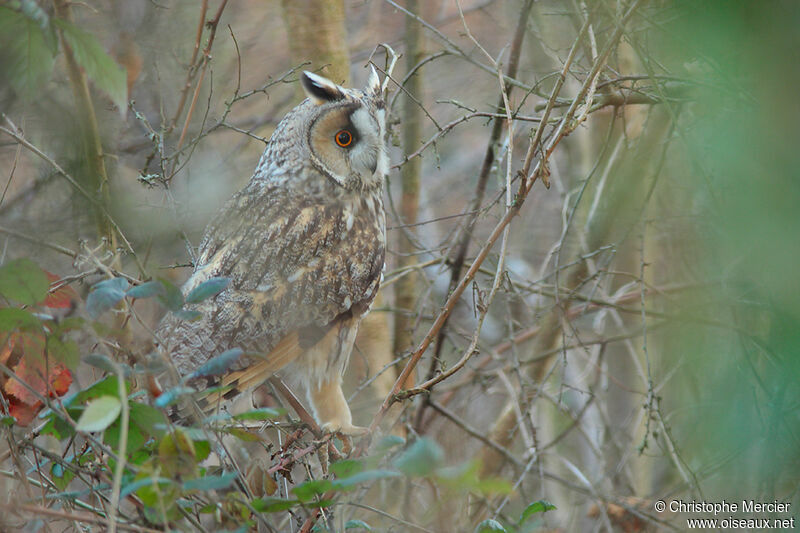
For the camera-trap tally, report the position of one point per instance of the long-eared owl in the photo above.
(303, 244)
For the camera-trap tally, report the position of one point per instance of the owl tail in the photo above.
(235, 383)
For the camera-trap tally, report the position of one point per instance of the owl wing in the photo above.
(301, 273)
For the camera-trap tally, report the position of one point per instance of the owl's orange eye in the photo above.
(344, 138)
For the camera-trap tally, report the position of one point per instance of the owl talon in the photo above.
(344, 429)
(332, 410)
(345, 432)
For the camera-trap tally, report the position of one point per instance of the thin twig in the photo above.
(24, 236)
(458, 253)
(119, 469)
(212, 24)
(24, 142)
(191, 71)
(79, 517)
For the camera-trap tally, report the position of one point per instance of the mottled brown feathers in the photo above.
(303, 244)
(292, 262)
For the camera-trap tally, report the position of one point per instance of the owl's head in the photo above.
(345, 131)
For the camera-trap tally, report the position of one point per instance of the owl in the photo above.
(303, 244)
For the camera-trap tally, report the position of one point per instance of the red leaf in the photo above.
(32, 378)
(60, 381)
(63, 298)
(22, 412)
(5, 352)
(25, 351)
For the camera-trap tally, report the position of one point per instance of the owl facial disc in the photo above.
(346, 132)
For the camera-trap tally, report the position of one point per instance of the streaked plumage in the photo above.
(303, 244)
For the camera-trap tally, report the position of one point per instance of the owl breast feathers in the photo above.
(303, 245)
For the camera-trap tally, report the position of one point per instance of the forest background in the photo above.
(591, 301)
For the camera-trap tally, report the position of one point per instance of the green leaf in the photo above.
(104, 363)
(209, 508)
(145, 482)
(273, 505)
(462, 475)
(218, 391)
(12, 318)
(172, 298)
(494, 486)
(57, 427)
(31, 9)
(188, 315)
(142, 455)
(107, 386)
(70, 323)
(388, 442)
(217, 365)
(106, 74)
(135, 438)
(243, 434)
(73, 495)
(99, 414)
(146, 290)
(160, 507)
(64, 351)
(195, 434)
(465, 477)
(86, 459)
(105, 295)
(27, 51)
(305, 492)
(211, 482)
(490, 526)
(362, 477)
(147, 418)
(177, 455)
(421, 458)
(346, 468)
(202, 449)
(7, 421)
(23, 281)
(264, 413)
(171, 396)
(113, 283)
(319, 505)
(541, 506)
(357, 524)
(220, 416)
(207, 289)
(61, 476)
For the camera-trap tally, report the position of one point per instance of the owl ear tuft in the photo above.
(320, 90)
(374, 82)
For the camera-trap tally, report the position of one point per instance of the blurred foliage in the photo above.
(740, 343)
(28, 47)
(166, 461)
